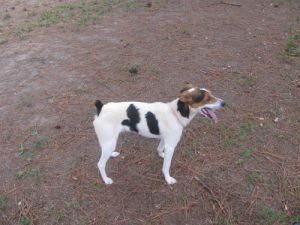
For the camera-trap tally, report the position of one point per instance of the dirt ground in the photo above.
(58, 57)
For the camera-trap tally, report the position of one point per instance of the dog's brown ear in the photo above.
(186, 97)
(186, 87)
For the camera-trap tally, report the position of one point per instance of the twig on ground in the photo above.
(225, 3)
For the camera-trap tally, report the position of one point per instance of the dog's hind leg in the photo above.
(161, 148)
(108, 148)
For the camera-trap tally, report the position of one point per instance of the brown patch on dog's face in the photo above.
(196, 97)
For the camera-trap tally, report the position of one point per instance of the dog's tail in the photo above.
(99, 106)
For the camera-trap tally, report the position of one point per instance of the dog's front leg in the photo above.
(170, 145)
(167, 163)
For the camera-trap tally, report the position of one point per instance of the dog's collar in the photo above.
(176, 116)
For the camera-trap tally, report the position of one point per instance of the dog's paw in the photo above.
(171, 180)
(108, 181)
(161, 154)
(115, 154)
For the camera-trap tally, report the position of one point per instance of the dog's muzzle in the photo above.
(208, 111)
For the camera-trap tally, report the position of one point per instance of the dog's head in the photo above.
(201, 100)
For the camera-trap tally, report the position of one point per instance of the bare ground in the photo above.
(244, 170)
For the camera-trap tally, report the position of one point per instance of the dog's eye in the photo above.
(198, 98)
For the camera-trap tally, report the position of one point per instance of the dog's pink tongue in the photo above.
(213, 115)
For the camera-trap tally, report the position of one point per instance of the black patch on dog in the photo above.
(200, 96)
(152, 123)
(134, 118)
(183, 109)
(98, 105)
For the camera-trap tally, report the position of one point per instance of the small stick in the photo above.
(226, 3)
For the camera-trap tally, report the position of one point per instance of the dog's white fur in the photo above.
(108, 126)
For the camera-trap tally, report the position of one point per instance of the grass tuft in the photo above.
(7, 15)
(247, 153)
(292, 46)
(3, 202)
(37, 174)
(268, 216)
(24, 220)
(40, 142)
(246, 129)
(185, 31)
(254, 177)
(24, 152)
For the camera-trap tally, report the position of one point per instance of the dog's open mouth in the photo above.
(210, 113)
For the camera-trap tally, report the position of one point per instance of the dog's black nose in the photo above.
(223, 103)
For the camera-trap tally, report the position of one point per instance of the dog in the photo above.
(164, 121)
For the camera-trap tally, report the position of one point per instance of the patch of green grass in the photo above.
(254, 177)
(40, 142)
(246, 129)
(24, 30)
(280, 2)
(70, 15)
(78, 12)
(184, 31)
(24, 152)
(268, 216)
(34, 130)
(132, 4)
(247, 153)
(3, 202)
(21, 34)
(239, 162)
(24, 220)
(7, 15)
(37, 174)
(230, 142)
(54, 15)
(243, 132)
(97, 186)
(292, 45)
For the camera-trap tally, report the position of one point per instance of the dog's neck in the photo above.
(183, 113)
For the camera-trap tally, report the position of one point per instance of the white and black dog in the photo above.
(164, 121)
